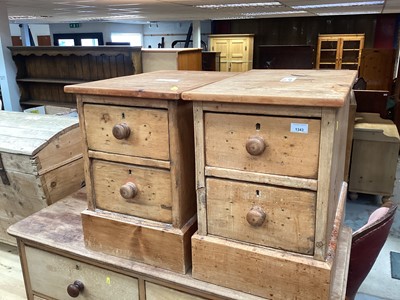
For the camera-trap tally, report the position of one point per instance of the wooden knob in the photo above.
(255, 145)
(121, 131)
(128, 191)
(75, 288)
(256, 216)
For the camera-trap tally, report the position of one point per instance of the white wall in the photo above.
(105, 27)
(152, 32)
(171, 31)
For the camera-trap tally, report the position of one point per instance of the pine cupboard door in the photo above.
(236, 51)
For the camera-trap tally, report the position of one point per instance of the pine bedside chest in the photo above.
(270, 151)
(139, 161)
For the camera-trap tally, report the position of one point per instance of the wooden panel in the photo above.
(153, 61)
(44, 40)
(156, 292)
(51, 274)
(376, 68)
(182, 162)
(226, 137)
(166, 85)
(274, 274)
(372, 102)
(153, 200)
(18, 200)
(190, 60)
(55, 184)
(311, 88)
(148, 130)
(16, 40)
(289, 214)
(153, 243)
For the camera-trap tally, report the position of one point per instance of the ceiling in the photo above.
(141, 11)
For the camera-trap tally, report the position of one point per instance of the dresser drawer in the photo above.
(51, 274)
(157, 292)
(278, 145)
(265, 215)
(133, 190)
(127, 130)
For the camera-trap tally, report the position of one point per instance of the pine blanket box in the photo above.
(270, 152)
(374, 156)
(139, 161)
(56, 264)
(40, 163)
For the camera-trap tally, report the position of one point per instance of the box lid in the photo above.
(166, 84)
(323, 88)
(26, 133)
(371, 127)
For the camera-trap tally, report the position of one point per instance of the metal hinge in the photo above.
(3, 173)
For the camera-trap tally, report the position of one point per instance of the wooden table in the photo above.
(53, 256)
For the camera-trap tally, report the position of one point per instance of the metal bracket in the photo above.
(3, 173)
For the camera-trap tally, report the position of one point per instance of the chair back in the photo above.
(366, 246)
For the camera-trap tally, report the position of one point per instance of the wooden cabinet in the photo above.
(40, 163)
(236, 51)
(42, 72)
(374, 156)
(171, 59)
(53, 256)
(376, 68)
(270, 157)
(339, 51)
(140, 165)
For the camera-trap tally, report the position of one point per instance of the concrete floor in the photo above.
(379, 283)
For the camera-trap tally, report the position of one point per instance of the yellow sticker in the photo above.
(174, 88)
(108, 280)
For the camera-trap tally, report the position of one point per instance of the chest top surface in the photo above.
(324, 88)
(166, 85)
(27, 134)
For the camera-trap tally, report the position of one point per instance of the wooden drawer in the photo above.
(148, 130)
(157, 292)
(153, 199)
(50, 275)
(266, 215)
(291, 144)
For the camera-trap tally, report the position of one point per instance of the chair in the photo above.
(367, 242)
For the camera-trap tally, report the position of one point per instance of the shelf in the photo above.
(43, 72)
(50, 80)
(52, 103)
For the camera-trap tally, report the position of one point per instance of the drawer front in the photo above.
(51, 274)
(133, 190)
(265, 215)
(263, 144)
(157, 292)
(127, 130)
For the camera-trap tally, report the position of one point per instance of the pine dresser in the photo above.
(270, 152)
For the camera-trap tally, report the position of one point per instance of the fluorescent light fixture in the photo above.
(345, 4)
(275, 13)
(239, 5)
(26, 17)
(349, 13)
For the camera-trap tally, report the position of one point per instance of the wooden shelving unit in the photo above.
(42, 72)
(339, 51)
